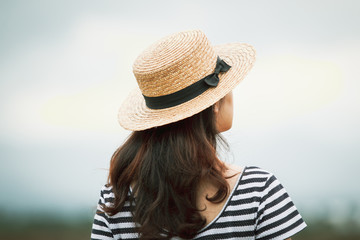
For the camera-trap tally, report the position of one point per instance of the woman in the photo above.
(166, 181)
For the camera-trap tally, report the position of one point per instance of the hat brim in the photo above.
(135, 115)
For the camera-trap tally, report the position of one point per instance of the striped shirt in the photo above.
(258, 208)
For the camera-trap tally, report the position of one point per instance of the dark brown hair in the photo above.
(164, 166)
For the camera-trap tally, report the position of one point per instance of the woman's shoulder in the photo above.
(249, 171)
(106, 195)
(256, 170)
(106, 189)
(256, 180)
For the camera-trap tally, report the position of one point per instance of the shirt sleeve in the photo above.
(277, 216)
(100, 228)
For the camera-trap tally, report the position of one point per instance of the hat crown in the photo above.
(173, 63)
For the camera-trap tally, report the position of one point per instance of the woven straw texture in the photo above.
(174, 63)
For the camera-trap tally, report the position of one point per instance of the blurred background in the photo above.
(65, 68)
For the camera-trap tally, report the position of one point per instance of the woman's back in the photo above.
(258, 207)
(210, 210)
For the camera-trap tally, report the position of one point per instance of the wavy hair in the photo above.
(163, 167)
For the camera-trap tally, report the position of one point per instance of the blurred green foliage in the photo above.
(323, 229)
(44, 226)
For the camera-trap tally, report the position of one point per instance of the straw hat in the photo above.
(181, 75)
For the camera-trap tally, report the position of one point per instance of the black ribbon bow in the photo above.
(213, 79)
(190, 92)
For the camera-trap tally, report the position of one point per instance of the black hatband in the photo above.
(190, 92)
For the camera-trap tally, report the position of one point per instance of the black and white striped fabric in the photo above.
(258, 208)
